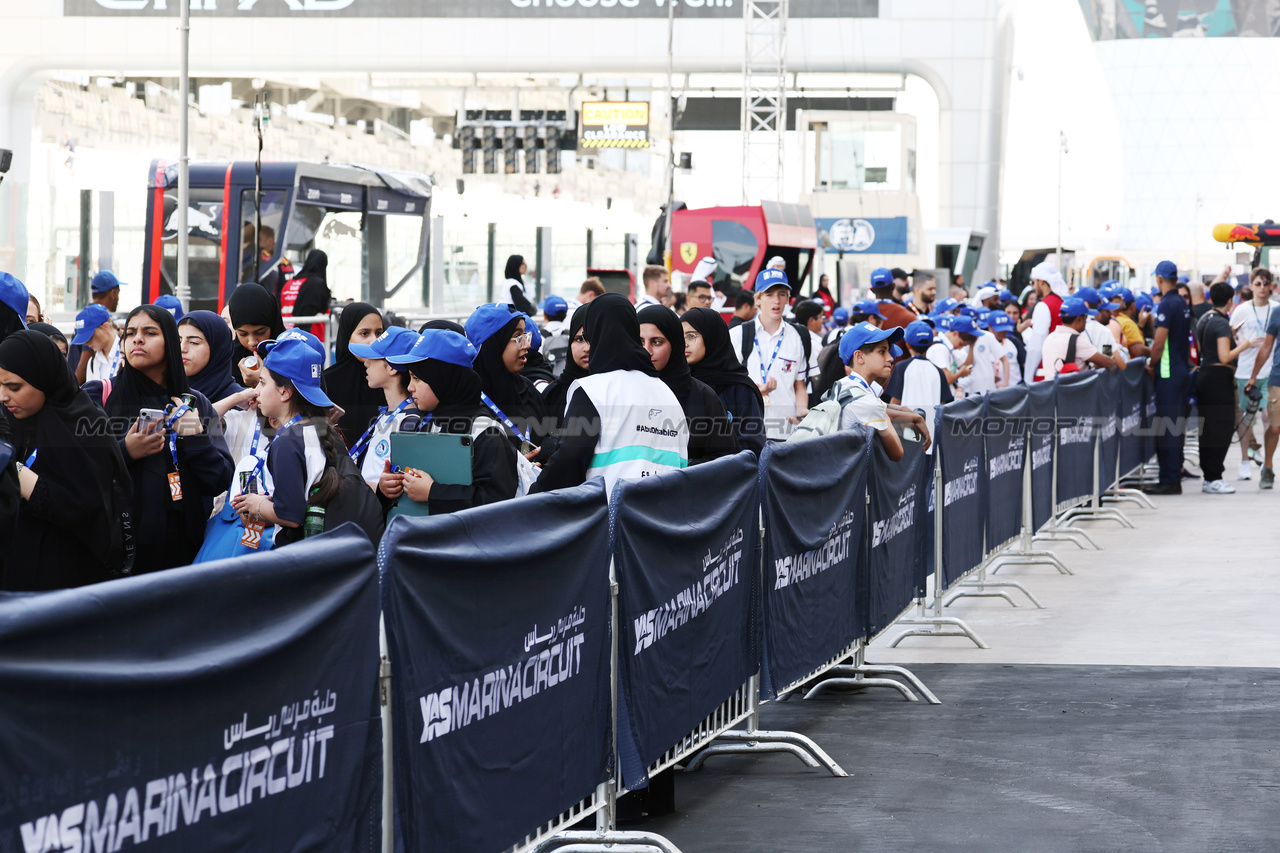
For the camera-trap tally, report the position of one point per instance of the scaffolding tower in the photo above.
(764, 99)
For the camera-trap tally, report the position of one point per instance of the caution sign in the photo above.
(615, 124)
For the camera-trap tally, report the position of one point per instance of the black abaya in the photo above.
(69, 530)
(345, 380)
(721, 369)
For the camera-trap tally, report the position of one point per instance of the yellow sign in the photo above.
(629, 113)
(688, 252)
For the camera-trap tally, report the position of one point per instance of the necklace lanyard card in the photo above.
(175, 486)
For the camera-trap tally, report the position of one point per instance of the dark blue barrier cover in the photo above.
(899, 532)
(1132, 436)
(686, 557)
(1005, 427)
(964, 482)
(1077, 428)
(231, 705)
(498, 625)
(1042, 404)
(814, 498)
(1148, 417)
(1110, 402)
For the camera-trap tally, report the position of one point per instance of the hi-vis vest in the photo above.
(642, 426)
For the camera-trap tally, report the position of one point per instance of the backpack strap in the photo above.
(748, 341)
(805, 340)
(1071, 351)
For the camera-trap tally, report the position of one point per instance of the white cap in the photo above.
(985, 293)
(776, 263)
(705, 268)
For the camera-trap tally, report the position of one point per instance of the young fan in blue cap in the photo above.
(503, 343)
(774, 354)
(446, 391)
(302, 464)
(372, 450)
(918, 383)
(868, 352)
(13, 305)
(100, 353)
(949, 351)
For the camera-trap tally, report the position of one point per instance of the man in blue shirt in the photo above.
(1170, 366)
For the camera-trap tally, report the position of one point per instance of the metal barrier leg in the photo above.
(855, 675)
(1067, 534)
(606, 838)
(936, 625)
(980, 587)
(1029, 558)
(1091, 513)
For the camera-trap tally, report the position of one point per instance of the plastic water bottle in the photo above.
(313, 523)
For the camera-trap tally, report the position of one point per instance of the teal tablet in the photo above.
(445, 456)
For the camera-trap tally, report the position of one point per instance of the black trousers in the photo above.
(1216, 396)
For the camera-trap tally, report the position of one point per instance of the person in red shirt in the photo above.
(896, 315)
(307, 295)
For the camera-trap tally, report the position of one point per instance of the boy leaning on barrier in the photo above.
(868, 355)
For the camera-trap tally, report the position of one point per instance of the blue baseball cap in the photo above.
(439, 345)
(968, 310)
(945, 306)
(1166, 269)
(1000, 322)
(391, 344)
(304, 336)
(944, 321)
(1125, 295)
(1007, 296)
(13, 293)
(170, 303)
(535, 334)
(554, 307)
(869, 307)
(1089, 295)
(1072, 308)
(881, 277)
(486, 320)
(87, 322)
(294, 359)
(1184, 279)
(1109, 283)
(963, 324)
(864, 333)
(1143, 301)
(918, 333)
(840, 315)
(104, 281)
(769, 279)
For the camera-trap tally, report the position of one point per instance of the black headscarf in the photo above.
(215, 380)
(132, 390)
(513, 268)
(720, 366)
(313, 297)
(614, 333)
(50, 331)
(556, 395)
(251, 305)
(445, 325)
(76, 450)
(503, 387)
(346, 382)
(458, 390)
(676, 373)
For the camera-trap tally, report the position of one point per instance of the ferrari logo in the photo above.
(688, 252)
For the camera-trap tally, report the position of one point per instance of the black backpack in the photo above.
(749, 342)
(354, 502)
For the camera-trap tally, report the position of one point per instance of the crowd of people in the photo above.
(175, 438)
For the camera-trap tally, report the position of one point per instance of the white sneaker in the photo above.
(1217, 487)
(1246, 471)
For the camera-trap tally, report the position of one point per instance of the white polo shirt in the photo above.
(1015, 372)
(987, 352)
(102, 368)
(779, 356)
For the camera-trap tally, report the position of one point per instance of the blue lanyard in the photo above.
(385, 416)
(764, 369)
(523, 436)
(115, 361)
(296, 419)
(173, 435)
(259, 461)
(31, 459)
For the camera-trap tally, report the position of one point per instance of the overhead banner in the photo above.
(898, 522)
(1110, 402)
(1041, 404)
(231, 705)
(1132, 435)
(1005, 429)
(1077, 428)
(301, 10)
(498, 627)
(892, 235)
(814, 500)
(686, 558)
(961, 448)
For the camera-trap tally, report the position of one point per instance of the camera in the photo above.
(1255, 397)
